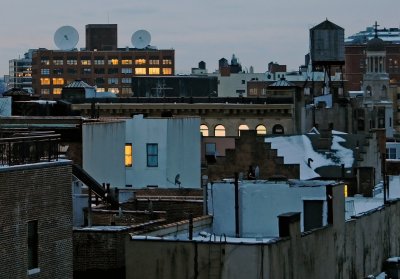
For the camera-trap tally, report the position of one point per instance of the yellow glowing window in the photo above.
(86, 62)
(345, 191)
(261, 130)
(140, 61)
(154, 71)
(242, 128)
(154, 62)
(44, 81)
(140, 71)
(57, 91)
(219, 131)
(167, 61)
(58, 81)
(167, 71)
(204, 130)
(128, 155)
(113, 61)
(126, 62)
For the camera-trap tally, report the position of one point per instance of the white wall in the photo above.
(103, 152)
(259, 206)
(179, 145)
(5, 106)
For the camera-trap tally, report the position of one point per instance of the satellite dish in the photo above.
(141, 39)
(66, 37)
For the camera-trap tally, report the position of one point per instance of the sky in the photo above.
(256, 31)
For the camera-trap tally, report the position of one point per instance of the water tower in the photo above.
(327, 51)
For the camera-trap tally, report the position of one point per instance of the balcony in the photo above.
(29, 149)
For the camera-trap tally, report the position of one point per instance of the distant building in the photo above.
(20, 72)
(101, 37)
(356, 59)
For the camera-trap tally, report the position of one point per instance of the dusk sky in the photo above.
(256, 31)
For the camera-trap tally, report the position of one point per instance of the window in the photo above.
(140, 71)
(100, 89)
(113, 90)
(126, 70)
(45, 61)
(58, 61)
(167, 61)
(154, 71)
(45, 81)
(128, 155)
(99, 80)
(99, 71)
(86, 71)
(126, 90)
(113, 70)
(33, 245)
(72, 61)
(211, 148)
(86, 61)
(278, 129)
(152, 155)
(45, 91)
(99, 60)
(126, 80)
(167, 71)
(242, 128)
(140, 61)
(204, 130)
(261, 130)
(58, 81)
(113, 61)
(58, 71)
(113, 81)
(219, 131)
(126, 61)
(71, 71)
(154, 61)
(390, 153)
(45, 71)
(57, 91)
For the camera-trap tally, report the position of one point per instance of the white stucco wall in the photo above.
(259, 206)
(178, 142)
(103, 152)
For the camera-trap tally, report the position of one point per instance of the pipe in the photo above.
(237, 233)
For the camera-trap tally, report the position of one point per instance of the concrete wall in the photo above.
(5, 106)
(178, 142)
(259, 206)
(103, 152)
(352, 249)
(39, 192)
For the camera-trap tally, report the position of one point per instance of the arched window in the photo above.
(261, 130)
(204, 130)
(219, 131)
(242, 128)
(278, 129)
(369, 91)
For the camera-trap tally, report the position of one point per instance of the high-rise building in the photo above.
(20, 72)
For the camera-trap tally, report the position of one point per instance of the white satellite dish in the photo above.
(66, 37)
(141, 39)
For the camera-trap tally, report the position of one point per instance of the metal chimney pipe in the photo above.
(237, 233)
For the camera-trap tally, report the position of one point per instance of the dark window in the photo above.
(33, 243)
(99, 71)
(152, 155)
(71, 71)
(113, 70)
(312, 214)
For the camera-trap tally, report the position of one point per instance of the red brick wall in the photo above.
(39, 192)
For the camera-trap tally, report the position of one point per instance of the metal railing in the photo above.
(29, 149)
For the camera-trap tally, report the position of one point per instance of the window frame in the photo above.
(150, 154)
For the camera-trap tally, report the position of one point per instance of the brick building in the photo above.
(36, 224)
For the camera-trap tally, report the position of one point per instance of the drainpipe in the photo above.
(237, 233)
(89, 216)
(190, 226)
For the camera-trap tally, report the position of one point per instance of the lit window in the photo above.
(113, 61)
(219, 131)
(86, 62)
(204, 130)
(126, 62)
(45, 81)
(242, 128)
(58, 81)
(33, 245)
(126, 90)
(152, 154)
(140, 61)
(45, 71)
(57, 91)
(154, 71)
(167, 71)
(140, 71)
(126, 70)
(113, 90)
(346, 194)
(100, 89)
(99, 61)
(128, 155)
(261, 130)
(167, 61)
(86, 71)
(45, 61)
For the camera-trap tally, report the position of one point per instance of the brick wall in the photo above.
(39, 192)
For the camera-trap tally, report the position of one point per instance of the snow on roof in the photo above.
(298, 149)
(103, 228)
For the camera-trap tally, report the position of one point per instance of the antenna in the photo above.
(66, 37)
(141, 39)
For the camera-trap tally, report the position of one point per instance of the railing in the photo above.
(29, 149)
